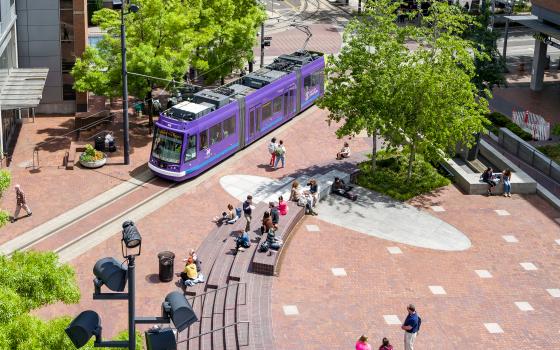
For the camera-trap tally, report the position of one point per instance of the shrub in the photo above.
(555, 130)
(390, 176)
(499, 120)
(91, 154)
(4, 218)
(5, 181)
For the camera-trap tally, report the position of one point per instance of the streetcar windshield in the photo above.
(167, 146)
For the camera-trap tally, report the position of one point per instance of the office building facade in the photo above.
(52, 33)
(8, 60)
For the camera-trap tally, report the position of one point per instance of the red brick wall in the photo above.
(552, 5)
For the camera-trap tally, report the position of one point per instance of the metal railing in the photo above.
(65, 135)
(225, 287)
(248, 323)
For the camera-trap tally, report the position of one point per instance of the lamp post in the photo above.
(118, 4)
(112, 274)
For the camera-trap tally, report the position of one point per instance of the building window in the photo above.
(68, 93)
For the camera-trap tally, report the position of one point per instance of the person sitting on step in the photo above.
(282, 206)
(267, 224)
(344, 152)
(189, 276)
(228, 216)
(243, 241)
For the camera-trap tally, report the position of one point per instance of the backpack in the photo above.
(279, 151)
(419, 323)
(264, 247)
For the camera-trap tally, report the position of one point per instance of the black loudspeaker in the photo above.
(160, 339)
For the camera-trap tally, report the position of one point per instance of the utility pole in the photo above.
(124, 90)
(262, 44)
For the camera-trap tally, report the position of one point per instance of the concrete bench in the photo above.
(267, 262)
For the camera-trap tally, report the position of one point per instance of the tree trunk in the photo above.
(411, 159)
(374, 152)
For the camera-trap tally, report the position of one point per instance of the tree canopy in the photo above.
(164, 38)
(29, 280)
(413, 85)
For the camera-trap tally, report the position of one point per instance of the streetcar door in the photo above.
(254, 124)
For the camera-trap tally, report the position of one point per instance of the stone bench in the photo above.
(267, 262)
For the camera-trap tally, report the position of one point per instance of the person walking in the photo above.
(411, 326)
(362, 343)
(21, 202)
(506, 178)
(280, 154)
(248, 212)
(272, 150)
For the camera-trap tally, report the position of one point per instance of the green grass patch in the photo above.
(551, 151)
(390, 176)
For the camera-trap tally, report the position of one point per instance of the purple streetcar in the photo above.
(193, 136)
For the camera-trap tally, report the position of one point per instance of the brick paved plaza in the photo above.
(501, 291)
(377, 279)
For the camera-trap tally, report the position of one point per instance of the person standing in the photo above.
(411, 326)
(280, 154)
(248, 212)
(274, 214)
(272, 150)
(362, 343)
(21, 202)
(506, 178)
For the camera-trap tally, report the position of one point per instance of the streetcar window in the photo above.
(190, 153)
(215, 134)
(167, 146)
(277, 105)
(229, 126)
(252, 123)
(204, 140)
(312, 85)
(266, 111)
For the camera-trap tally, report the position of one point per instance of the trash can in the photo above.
(166, 259)
(100, 143)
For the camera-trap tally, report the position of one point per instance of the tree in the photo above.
(233, 26)
(420, 98)
(490, 65)
(439, 105)
(28, 281)
(5, 181)
(359, 89)
(159, 38)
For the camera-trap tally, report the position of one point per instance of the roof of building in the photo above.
(534, 23)
(22, 87)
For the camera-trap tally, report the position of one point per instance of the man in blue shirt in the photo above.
(411, 326)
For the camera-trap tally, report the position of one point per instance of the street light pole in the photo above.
(131, 313)
(262, 44)
(124, 89)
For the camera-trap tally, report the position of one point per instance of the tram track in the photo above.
(89, 226)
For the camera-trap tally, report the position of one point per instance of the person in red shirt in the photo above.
(385, 345)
